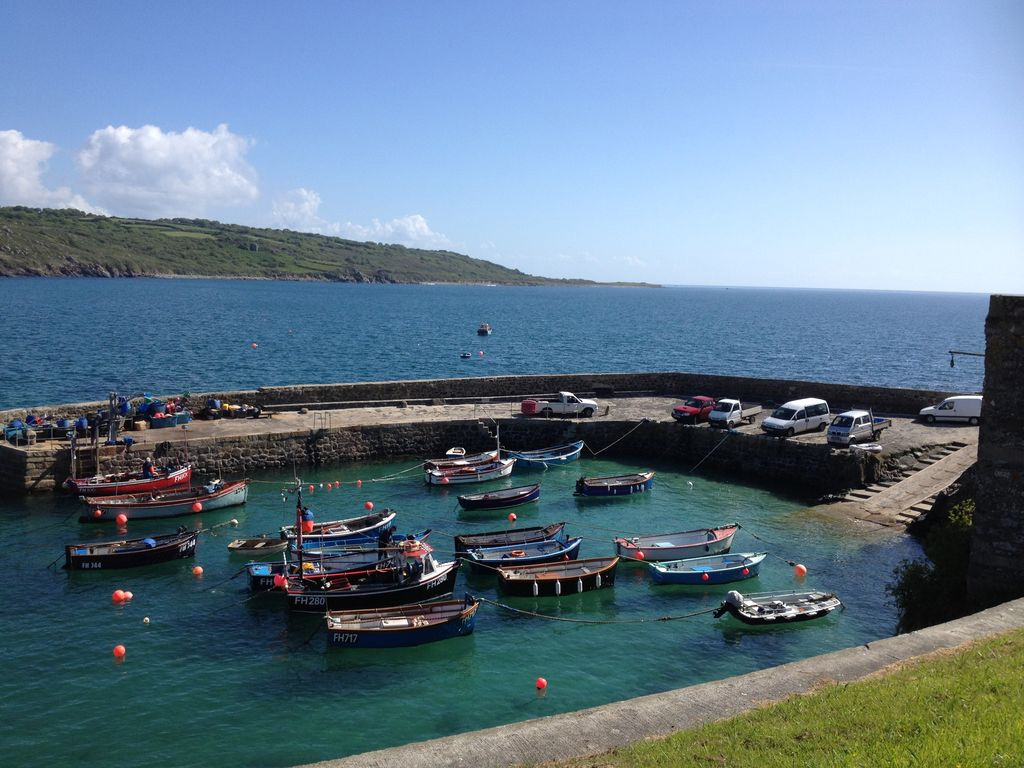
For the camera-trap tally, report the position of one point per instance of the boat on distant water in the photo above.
(676, 546)
(501, 499)
(217, 494)
(402, 625)
(258, 546)
(456, 457)
(478, 473)
(465, 541)
(562, 578)
(549, 551)
(713, 569)
(614, 485)
(120, 483)
(545, 457)
(484, 329)
(779, 607)
(130, 553)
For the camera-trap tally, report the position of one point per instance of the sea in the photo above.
(213, 675)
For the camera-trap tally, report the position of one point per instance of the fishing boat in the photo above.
(130, 553)
(676, 546)
(403, 625)
(543, 458)
(412, 576)
(371, 527)
(502, 499)
(563, 578)
(217, 494)
(267, 575)
(484, 329)
(466, 541)
(474, 474)
(119, 483)
(456, 458)
(778, 608)
(714, 569)
(258, 546)
(549, 551)
(614, 485)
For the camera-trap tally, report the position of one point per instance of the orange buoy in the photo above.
(255, 345)
(118, 596)
(128, 595)
(311, 489)
(704, 577)
(197, 506)
(122, 519)
(800, 570)
(512, 517)
(541, 683)
(197, 570)
(359, 483)
(369, 505)
(97, 513)
(119, 651)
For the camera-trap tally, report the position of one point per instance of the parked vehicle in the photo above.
(731, 413)
(694, 410)
(854, 427)
(567, 404)
(804, 415)
(958, 408)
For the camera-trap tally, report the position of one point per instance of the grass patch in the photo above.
(962, 708)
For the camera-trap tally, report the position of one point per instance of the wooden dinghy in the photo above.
(466, 541)
(699, 542)
(543, 458)
(554, 579)
(614, 485)
(402, 625)
(778, 608)
(714, 569)
(478, 473)
(548, 551)
(216, 494)
(258, 546)
(502, 499)
(130, 553)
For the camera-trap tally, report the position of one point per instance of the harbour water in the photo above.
(220, 678)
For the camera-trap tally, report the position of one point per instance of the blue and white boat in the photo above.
(542, 458)
(549, 551)
(713, 569)
(369, 527)
(614, 485)
(403, 625)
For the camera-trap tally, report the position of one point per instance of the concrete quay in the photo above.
(611, 726)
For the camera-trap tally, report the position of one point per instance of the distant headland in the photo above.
(46, 242)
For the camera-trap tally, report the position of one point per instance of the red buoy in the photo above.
(359, 483)
(311, 489)
(118, 596)
(97, 513)
(640, 555)
(541, 683)
(745, 571)
(279, 580)
(800, 570)
(369, 505)
(122, 519)
(119, 651)
(197, 506)
(197, 570)
(512, 517)
(128, 595)
(704, 577)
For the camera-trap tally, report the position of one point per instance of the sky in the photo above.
(779, 143)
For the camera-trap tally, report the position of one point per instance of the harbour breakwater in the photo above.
(801, 467)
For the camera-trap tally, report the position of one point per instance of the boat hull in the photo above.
(114, 485)
(437, 584)
(547, 457)
(556, 579)
(478, 474)
(133, 553)
(700, 571)
(464, 542)
(402, 626)
(550, 551)
(503, 499)
(768, 610)
(170, 504)
(677, 546)
(609, 487)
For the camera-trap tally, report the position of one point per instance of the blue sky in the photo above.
(810, 144)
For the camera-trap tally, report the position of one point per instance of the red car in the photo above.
(693, 410)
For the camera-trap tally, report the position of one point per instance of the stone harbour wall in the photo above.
(996, 570)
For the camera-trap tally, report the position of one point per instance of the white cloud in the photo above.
(299, 209)
(147, 172)
(22, 163)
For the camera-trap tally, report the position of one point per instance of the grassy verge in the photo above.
(964, 708)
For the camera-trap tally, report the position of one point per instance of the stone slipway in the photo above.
(600, 729)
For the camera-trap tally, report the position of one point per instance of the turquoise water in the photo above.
(219, 678)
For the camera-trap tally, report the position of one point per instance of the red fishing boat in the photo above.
(118, 483)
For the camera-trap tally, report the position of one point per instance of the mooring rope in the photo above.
(634, 429)
(724, 438)
(641, 620)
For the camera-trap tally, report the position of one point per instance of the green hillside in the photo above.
(65, 242)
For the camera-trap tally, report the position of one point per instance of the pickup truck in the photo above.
(854, 427)
(730, 413)
(567, 404)
(693, 410)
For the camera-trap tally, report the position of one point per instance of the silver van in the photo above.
(958, 408)
(796, 416)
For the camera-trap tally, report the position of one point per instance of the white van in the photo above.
(959, 408)
(797, 416)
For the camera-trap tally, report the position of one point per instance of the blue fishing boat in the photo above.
(614, 485)
(369, 527)
(503, 499)
(713, 569)
(466, 541)
(267, 575)
(549, 551)
(403, 625)
(542, 458)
